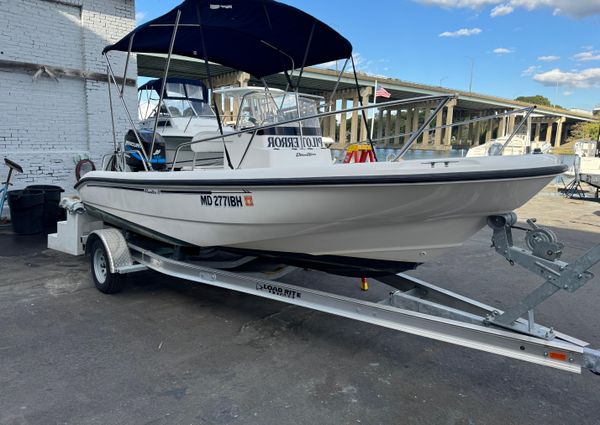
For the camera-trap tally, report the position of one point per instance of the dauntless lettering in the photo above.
(294, 142)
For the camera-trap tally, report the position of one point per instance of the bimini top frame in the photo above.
(199, 28)
(272, 37)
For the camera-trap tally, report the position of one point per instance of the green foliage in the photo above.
(536, 100)
(584, 130)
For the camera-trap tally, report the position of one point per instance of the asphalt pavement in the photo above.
(166, 351)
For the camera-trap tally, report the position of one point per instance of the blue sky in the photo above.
(519, 47)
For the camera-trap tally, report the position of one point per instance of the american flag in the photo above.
(381, 92)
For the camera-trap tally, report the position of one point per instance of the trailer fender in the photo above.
(116, 247)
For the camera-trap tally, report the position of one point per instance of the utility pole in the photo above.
(472, 69)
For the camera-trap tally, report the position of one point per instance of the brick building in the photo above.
(55, 104)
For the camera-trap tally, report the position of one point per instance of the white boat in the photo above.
(184, 112)
(407, 211)
(278, 193)
(518, 145)
(587, 160)
(587, 148)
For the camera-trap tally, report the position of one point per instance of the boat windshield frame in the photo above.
(205, 111)
(270, 107)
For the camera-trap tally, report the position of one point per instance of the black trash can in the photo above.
(26, 211)
(52, 212)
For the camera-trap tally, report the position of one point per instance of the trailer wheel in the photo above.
(105, 281)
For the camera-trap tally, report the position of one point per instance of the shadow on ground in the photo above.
(167, 351)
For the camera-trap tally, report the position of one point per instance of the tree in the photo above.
(538, 99)
(584, 131)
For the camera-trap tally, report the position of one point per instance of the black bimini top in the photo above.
(261, 37)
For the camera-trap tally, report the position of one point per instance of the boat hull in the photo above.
(399, 216)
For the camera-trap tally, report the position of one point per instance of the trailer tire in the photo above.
(104, 280)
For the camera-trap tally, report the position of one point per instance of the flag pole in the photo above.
(374, 109)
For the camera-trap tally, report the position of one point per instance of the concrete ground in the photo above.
(169, 352)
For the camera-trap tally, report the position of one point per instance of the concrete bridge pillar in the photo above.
(365, 93)
(511, 124)
(549, 131)
(354, 122)
(415, 122)
(407, 124)
(380, 122)
(478, 129)
(489, 127)
(427, 115)
(333, 121)
(559, 131)
(343, 125)
(502, 127)
(388, 126)
(439, 122)
(449, 120)
(398, 126)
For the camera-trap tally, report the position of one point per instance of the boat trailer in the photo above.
(413, 305)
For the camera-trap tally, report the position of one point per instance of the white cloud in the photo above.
(588, 56)
(567, 93)
(549, 58)
(502, 51)
(574, 8)
(501, 10)
(463, 32)
(364, 65)
(529, 71)
(584, 79)
(139, 16)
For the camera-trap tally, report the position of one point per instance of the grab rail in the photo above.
(442, 98)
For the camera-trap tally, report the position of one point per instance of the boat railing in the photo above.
(412, 136)
(469, 121)
(442, 99)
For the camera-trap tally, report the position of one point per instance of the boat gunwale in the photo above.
(453, 177)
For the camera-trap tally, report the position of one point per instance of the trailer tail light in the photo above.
(558, 356)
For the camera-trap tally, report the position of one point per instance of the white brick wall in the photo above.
(46, 124)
